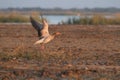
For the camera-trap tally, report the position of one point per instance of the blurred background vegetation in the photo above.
(87, 16)
(96, 19)
(17, 17)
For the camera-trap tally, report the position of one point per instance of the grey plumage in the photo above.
(37, 26)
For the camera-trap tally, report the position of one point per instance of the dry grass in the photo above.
(16, 17)
(13, 18)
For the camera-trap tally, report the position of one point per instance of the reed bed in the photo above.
(95, 20)
(16, 17)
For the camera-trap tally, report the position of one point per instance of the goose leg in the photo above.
(42, 47)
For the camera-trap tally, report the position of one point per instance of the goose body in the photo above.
(45, 40)
(43, 32)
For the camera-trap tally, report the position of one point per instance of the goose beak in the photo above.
(58, 33)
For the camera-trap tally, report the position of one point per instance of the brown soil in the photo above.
(79, 53)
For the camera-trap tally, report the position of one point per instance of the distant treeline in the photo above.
(65, 11)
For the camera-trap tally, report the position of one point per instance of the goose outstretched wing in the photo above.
(37, 26)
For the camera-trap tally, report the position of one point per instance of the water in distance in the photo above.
(55, 19)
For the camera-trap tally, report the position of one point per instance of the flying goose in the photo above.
(43, 32)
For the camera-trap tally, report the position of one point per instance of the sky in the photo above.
(66, 4)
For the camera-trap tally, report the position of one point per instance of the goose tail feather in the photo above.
(39, 41)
